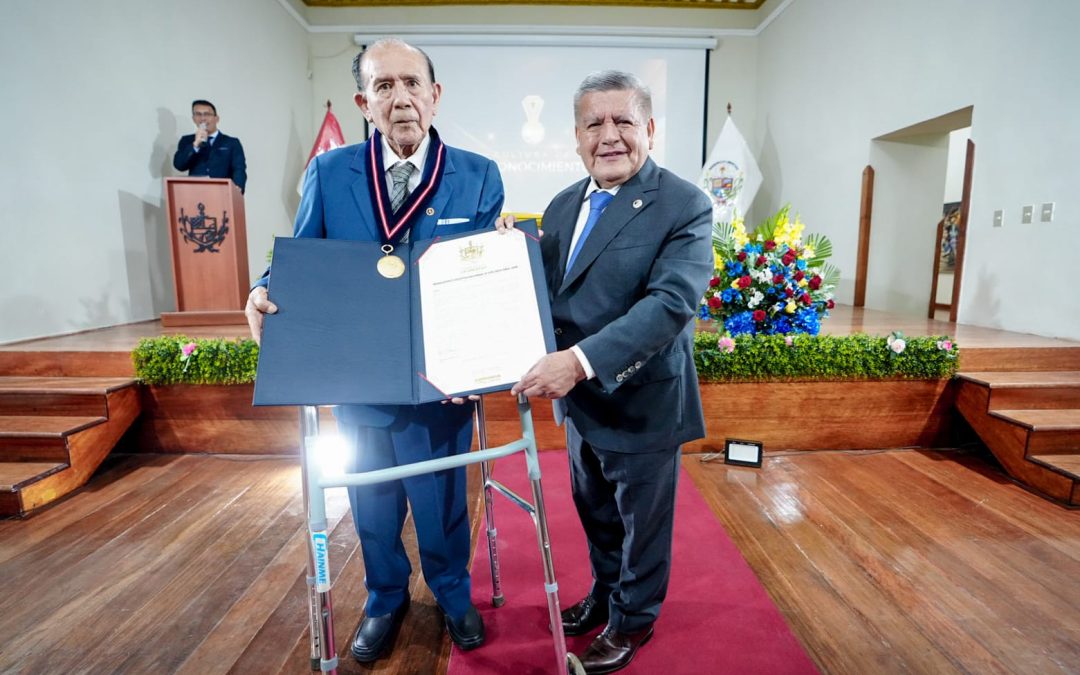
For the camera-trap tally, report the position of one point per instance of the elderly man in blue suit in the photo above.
(402, 183)
(627, 254)
(208, 152)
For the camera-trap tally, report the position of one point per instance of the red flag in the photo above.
(328, 138)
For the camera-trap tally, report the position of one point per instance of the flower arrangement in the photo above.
(769, 281)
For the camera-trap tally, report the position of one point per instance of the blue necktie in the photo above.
(598, 201)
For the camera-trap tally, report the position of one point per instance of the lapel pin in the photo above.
(638, 203)
(430, 211)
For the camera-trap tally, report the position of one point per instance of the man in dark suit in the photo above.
(627, 254)
(208, 152)
(402, 183)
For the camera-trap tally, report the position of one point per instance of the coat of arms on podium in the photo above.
(203, 230)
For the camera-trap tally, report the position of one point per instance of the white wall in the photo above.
(86, 242)
(908, 182)
(954, 173)
(96, 95)
(834, 74)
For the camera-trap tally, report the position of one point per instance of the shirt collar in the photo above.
(594, 186)
(390, 158)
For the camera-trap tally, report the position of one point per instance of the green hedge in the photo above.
(214, 361)
(821, 357)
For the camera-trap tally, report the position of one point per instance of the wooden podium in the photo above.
(208, 240)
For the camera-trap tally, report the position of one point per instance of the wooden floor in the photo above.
(882, 562)
(894, 561)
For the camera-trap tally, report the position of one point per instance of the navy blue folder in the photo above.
(344, 334)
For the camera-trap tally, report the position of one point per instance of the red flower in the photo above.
(815, 282)
(778, 280)
(759, 315)
(799, 276)
(770, 245)
(788, 258)
(789, 292)
(741, 256)
(715, 302)
(830, 304)
(760, 260)
(805, 298)
(745, 281)
(714, 282)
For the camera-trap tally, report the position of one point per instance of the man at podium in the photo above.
(208, 152)
(403, 183)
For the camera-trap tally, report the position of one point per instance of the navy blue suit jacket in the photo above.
(225, 159)
(336, 205)
(629, 303)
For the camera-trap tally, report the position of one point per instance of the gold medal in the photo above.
(390, 266)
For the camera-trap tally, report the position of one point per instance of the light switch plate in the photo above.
(1047, 212)
(999, 217)
(1025, 214)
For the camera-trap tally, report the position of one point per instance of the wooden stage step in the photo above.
(1031, 423)
(1043, 420)
(43, 426)
(1067, 465)
(1020, 390)
(55, 431)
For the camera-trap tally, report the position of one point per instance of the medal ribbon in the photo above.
(393, 225)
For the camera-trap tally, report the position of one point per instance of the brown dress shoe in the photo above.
(613, 650)
(583, 617)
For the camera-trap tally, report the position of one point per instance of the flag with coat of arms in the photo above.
(730, 176)
(328, 138)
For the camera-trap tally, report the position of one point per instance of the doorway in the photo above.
(912, 172)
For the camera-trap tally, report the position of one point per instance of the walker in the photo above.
(323, 651)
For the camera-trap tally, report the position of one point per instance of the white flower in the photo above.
(897, 344)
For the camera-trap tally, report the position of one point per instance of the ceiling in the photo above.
(698, 4)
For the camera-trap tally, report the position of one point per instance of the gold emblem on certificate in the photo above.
(390, 266)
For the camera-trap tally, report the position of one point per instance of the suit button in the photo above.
(638, 364)
(619, 377)
(558, 331)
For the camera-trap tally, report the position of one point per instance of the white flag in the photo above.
(730, 177)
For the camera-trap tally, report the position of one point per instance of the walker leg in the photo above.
(551, 587)
(497, 598)
(323, 655)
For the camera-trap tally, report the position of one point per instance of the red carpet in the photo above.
(717, 617)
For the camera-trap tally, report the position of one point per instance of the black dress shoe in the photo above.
(376, 634)
(468, 631)
(584, 616)
(613, 650)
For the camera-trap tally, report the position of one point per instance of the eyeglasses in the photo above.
(203, 114)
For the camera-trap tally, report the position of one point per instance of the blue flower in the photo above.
(806, 321)
(729, 294)
(753, 248)
(783, 325)
(733, 269)
(801, 264)
(740, 324)
(703, 312)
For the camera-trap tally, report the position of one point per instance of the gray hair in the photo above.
(358, 61)
(614, 80)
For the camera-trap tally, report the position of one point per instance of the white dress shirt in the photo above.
(583, 216)
(390, 158)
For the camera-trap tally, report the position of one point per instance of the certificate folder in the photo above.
(345, 334)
